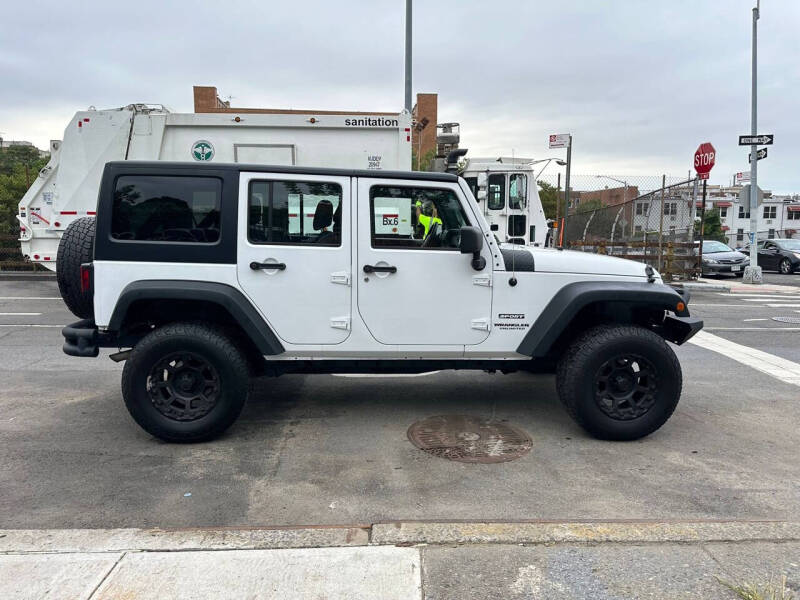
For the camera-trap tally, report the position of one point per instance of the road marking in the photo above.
(779, 368)
(16, 314)
(773, 299)
(693, 304)
(30, 298)
(748, 320)
(384, 375)
(782, 305)
(751, 328)
(29, 325)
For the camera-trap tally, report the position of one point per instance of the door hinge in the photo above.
(341, 323)
(483, 279)
(340, 277)
(480, 324)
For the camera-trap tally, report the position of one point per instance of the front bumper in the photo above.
(721, 268)
(680, 329)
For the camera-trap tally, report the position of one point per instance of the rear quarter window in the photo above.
(166, 209)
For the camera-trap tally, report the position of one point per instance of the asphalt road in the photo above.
(333, 450)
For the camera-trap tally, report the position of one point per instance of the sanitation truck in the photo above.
(66, 189)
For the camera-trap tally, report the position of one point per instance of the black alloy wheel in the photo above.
(626, 387)
(183, 386)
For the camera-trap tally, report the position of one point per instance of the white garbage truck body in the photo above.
(66, 189)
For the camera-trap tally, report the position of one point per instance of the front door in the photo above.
(414, 285)
(294, 253)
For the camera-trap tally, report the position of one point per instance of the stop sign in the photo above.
(704, 159)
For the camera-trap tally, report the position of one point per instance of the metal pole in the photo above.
(408, 55)
(661, 220)
(755, 271)
(558, 194)
(566, 191)
(702, 229)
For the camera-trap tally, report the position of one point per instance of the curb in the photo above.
(26, 276)
(56, 541)
(708, 287)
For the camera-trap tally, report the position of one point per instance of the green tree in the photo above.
(548, 196)
(19, 166)
(713, 227)
(589, 205)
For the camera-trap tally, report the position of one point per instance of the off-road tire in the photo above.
(579, 368)
(785, 267)
(74, 249)
(204, 341)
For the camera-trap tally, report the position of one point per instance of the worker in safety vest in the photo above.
(426, 220)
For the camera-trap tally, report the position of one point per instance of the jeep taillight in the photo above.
(86, 278)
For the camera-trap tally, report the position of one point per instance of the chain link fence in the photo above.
(646, 218)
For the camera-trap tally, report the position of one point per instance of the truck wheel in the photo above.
(619, 382)
(185, 382)
(74, 249)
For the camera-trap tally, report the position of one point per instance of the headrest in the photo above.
(323, 215)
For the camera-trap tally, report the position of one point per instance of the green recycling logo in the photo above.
(202, 150)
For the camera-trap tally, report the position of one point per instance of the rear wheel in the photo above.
(619, 382)
(75, 248)
(786, 267)
(185, 382)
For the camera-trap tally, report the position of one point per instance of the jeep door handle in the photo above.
(256, 266)
(376, 269)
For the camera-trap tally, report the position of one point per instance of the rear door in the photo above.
(294, 253)
(413, 289)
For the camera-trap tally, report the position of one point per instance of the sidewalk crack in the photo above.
(106, 576)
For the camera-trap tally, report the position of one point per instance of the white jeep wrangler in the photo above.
(204, 276)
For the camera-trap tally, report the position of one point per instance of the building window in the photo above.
(770, 212)
(794, 215)
(740, 235)
(497, 192)
(723, 212)
(670, 208)
(641, 208)
(743, 214)
(771, 233)
(155, 208)
(637, 228)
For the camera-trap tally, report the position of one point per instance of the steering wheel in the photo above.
(433, 235)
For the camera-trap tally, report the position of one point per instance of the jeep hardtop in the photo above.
(203, 276)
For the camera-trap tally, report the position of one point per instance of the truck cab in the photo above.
(508, 197)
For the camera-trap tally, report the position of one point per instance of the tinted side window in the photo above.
(157, 208)
(294, 212)
(409, 217)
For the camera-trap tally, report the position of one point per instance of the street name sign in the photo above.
(559, 140)
(749, 140)
(704, 158)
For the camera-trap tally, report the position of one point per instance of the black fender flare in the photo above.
(226, 296)
(573, 297)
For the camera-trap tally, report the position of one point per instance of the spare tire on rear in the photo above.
(75, 248)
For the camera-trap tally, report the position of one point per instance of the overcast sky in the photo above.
(638, 83)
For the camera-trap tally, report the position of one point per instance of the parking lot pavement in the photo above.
(334, 450)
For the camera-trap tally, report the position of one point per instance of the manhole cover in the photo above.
(469, 439)
(795, 320)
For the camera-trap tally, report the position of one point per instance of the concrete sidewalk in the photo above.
(530, 559)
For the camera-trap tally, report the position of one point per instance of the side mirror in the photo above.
(472, 243)
(482, 180)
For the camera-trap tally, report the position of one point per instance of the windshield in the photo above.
(711, 246)
(793, 245)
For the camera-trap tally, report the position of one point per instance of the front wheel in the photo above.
(619, 382)
(185, 382)
(786, 267)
